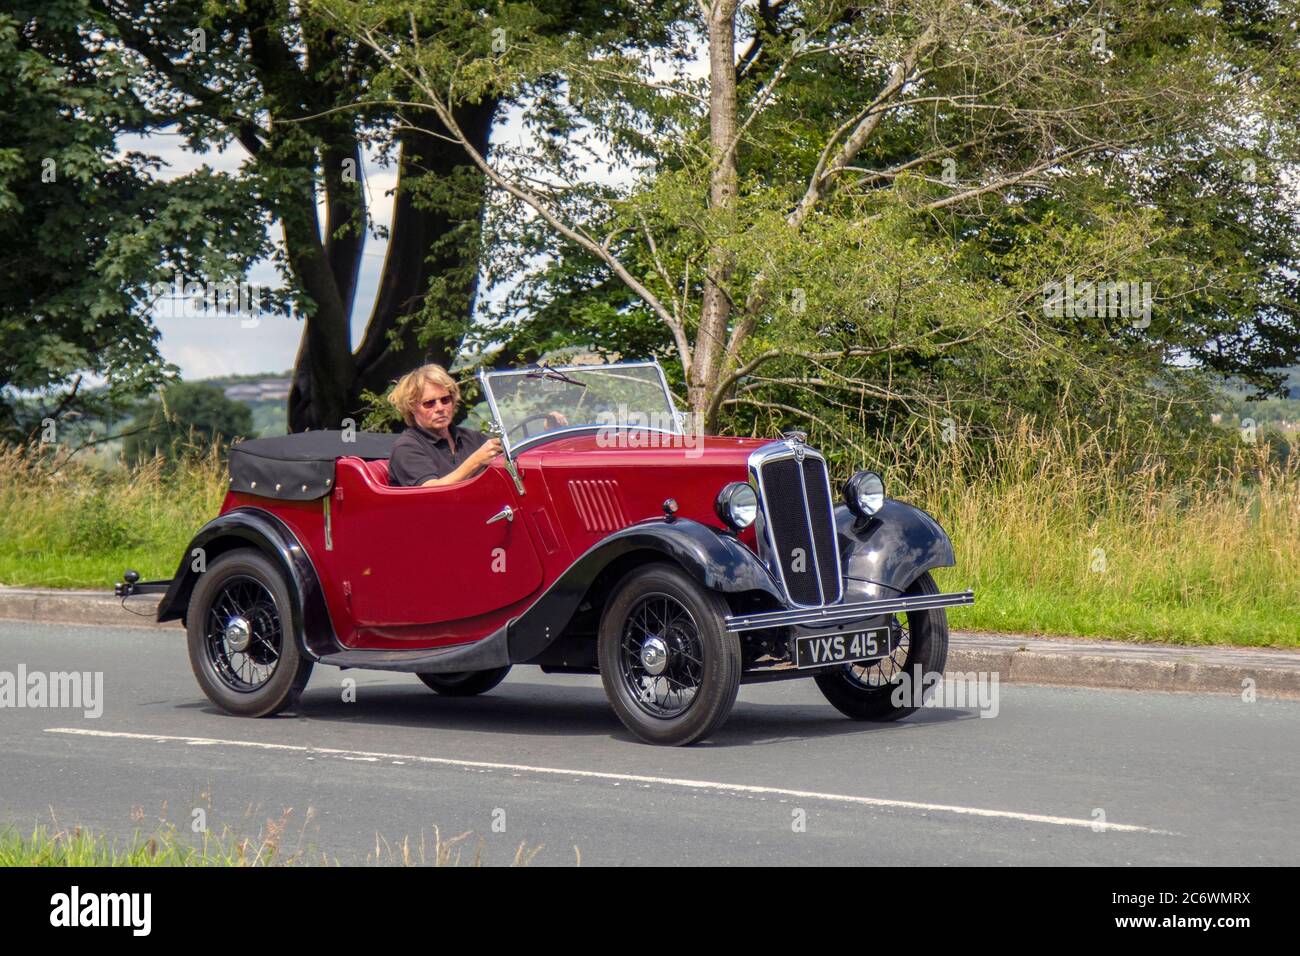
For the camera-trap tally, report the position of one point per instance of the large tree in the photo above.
(260, 77)
(298, 101)
(84, 231)
(857, 198)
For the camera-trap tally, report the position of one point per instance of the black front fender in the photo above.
(716, 560)
(253, 528)
(893, 547)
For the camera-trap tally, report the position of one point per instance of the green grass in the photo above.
(1212, 556)
(70, 525)
(1058, 538)
(52, 846)
(55, 846)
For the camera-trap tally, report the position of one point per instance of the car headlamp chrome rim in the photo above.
(737, 504)
(864, 493)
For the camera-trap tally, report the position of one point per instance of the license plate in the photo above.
(845, 648)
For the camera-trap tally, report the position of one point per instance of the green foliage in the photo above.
(85, 232)
(79, 847)
(1022, 154)
(380, 415)
(168, 846)
(1099, 533)
(187, 416)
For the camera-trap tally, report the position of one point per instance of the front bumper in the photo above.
(844, 613)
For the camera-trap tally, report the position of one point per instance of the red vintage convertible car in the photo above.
(675, 566)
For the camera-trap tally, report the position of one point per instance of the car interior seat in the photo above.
(378, 471)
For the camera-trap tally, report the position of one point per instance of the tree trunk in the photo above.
(413, 262)
(323, 394)
(715, 307)
(325, 362)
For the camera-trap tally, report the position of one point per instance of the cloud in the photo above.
(205, 347)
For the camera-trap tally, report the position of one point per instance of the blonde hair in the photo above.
(409, 390)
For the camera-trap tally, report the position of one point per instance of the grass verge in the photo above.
(1059, 535)
(57, 847)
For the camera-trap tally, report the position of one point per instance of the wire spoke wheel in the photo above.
(669, 667)
(883, 672)
(240, 633)
(869, 690)
(661, 656)
(244, 638)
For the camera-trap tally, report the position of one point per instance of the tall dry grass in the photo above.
(65, 523)
(1060, 532)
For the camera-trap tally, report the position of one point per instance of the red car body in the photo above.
(677, 567)
(411, 568)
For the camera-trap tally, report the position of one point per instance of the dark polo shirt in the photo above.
(419, 455)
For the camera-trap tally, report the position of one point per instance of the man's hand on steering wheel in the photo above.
(551, 419)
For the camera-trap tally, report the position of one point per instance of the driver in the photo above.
(433, 451)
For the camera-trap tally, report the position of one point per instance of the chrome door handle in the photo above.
(507, 512)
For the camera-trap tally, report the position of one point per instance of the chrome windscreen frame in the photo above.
(797, 450)
(513, 449)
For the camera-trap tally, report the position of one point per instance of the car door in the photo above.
(415, 556)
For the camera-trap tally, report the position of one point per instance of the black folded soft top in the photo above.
(300, 467)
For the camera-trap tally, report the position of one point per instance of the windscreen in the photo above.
(528, 402)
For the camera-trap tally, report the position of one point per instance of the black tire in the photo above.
(465, 683)
(661, 602)
(866, 692)
(270, 674)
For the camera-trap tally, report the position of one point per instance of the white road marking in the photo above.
(618, 778)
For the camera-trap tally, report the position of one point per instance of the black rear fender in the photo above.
(252, 528)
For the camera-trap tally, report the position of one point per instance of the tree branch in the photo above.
(864, 125)
(550, 216)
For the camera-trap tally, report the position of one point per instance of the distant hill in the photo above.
(1282, 412)
(266, 395)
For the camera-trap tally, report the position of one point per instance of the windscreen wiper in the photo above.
(545, 371)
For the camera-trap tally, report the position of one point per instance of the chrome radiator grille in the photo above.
(798, 523)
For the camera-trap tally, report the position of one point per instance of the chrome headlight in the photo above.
(737, 504)
(864, 493)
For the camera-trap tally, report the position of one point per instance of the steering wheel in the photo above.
(540, 416)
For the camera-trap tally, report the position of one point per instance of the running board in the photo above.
(843, 613)
(480, 655)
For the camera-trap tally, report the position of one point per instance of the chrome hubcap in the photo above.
(654, 655)
(237, 634)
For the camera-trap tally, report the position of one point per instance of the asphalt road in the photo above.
(1180, 778)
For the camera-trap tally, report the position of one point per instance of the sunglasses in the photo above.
(435, 402)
